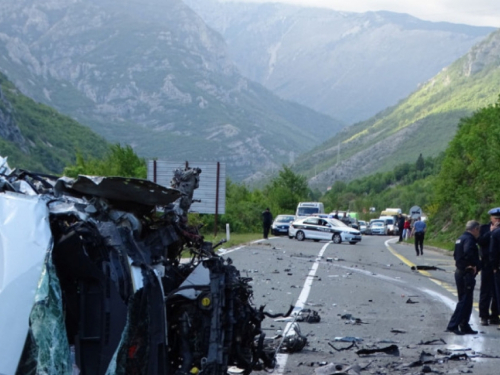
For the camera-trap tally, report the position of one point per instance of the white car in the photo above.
(317, 228)
(362, 226)
(390, 222)
(379, 227)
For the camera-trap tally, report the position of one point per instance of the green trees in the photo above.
(244, 206)
(119, 161)
(243, 210)
(468, 185)
(286, 190)
(407, 185)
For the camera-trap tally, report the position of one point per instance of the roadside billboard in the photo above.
(210, 197)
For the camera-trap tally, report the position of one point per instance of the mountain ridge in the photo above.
(151, 74)
(424, 122)
(345, 64)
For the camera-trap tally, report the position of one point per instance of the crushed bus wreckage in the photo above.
(91, 282)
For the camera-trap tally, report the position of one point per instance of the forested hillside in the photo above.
(460, 184)
(467, 186)
(36, 137)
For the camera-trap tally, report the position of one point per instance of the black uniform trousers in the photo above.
(487, 294)
(266, 229)
(466, 282)
(419, 242)
(496, 279)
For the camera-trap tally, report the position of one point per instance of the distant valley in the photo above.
(348, 65)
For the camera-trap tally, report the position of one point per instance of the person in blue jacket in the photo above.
(419, 232)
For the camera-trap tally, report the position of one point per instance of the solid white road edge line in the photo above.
(224, 252)
(282, 358)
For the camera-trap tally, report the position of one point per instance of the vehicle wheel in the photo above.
(300, 236)
(290, 237)
(336, 238)
(316, 240)
(353, 242)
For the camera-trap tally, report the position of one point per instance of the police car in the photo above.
(318, 228)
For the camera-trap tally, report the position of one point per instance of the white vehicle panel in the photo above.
(25, 237)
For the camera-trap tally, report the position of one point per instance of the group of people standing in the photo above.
(478, 249)
(416, 229)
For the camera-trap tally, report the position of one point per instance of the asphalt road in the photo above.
(373, 281)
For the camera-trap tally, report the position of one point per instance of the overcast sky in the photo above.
(470, 12)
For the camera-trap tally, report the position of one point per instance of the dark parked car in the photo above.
(353, 222)
(281, 224)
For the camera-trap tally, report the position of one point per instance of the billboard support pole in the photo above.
(154, 172)
(217, 199)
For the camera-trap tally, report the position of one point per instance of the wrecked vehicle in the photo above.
(92, 282)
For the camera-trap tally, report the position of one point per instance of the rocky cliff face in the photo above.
(152, 74)
(347, 65)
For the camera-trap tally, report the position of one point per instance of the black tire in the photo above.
(290, 237)
(353, 242)
(316, 240)
(300, 236)
(337, 238)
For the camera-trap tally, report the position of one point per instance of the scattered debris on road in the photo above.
(427, 268)
(390, 350)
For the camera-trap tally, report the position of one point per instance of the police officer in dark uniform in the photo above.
(487, 295)
(467, 261)
(495, 249)
(267, 220)
(401, 225)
